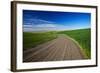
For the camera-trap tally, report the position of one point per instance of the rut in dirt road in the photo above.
(61, 48)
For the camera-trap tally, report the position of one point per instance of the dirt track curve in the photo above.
(61, 48)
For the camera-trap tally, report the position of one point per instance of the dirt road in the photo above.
(61, 48)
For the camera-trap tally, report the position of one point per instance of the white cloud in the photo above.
(45, 25)
(27, 26)
(36, 21)
(40, 27)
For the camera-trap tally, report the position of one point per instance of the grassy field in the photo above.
(83, 37)
(31, 39)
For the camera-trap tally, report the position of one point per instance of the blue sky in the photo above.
(51, 20)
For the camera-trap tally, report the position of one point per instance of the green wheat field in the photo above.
(82, 36)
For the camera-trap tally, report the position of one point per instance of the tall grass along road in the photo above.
(61, 48)
(83, 37)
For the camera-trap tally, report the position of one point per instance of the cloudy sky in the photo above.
(49, 20)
